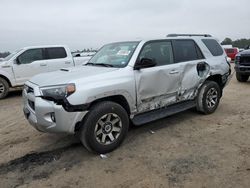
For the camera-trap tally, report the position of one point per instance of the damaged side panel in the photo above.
(157, 86)
(192, 77)
(162, 86)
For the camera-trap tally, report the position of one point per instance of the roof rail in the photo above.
(189, 35)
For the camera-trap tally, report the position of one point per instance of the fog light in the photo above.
(53, 117)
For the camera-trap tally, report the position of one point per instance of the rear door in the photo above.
(57, 58)
(191, 60)
(157, 86)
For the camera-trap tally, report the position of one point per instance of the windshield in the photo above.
(11, 55)
(114, 55)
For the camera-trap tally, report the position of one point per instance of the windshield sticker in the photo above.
(123, 52)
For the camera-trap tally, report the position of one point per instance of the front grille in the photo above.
(31, 104)
(245, 60)
(244, 69)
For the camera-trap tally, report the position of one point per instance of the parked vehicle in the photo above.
(138, 81)
(231, 52)
(21, 65)
(242, 66)
(83, 54)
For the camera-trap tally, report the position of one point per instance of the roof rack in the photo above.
(189, 35)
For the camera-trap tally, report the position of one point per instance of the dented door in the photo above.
(191, 78)
(193, 67)
(157, 86)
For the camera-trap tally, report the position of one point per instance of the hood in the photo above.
(69, 75)
(245, 52)
(2, 62)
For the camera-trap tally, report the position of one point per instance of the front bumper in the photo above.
(46, 116)
(242, 69)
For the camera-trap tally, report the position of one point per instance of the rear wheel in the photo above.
(4, 88)
(104, 127)
(241, 78)
(209, 97)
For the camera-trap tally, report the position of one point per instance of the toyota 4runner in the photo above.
(128, 82)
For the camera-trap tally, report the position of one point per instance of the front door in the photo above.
(28, 64)
(157, 86)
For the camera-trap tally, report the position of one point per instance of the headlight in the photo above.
(237, 59)
(58, 92)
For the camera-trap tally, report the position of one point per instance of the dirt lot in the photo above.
(186, 150)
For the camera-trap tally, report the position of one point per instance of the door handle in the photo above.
(67, 62)
(43, 64)
(174, 72)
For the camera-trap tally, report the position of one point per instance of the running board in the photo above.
(162, 113)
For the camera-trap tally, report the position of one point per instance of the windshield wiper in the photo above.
(100, 64)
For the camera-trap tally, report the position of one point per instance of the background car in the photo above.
(231, 52)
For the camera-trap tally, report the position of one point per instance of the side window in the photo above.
(56, 53)
(186, 50)
(213, 46)
(30, 55)
(160, 52)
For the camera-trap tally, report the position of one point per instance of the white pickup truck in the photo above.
(21, 65)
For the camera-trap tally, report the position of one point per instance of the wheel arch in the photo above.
(219, 80)
(5, 78)
(216, 78)
(119, 99)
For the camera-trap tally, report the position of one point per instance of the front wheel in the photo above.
(104, 127)
(241, 78)
(209, 97)
(4, 88)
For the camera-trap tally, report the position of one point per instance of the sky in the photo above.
(92, 23)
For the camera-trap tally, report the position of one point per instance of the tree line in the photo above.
(239, 43)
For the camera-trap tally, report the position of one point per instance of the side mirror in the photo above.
(144, 63)
(17, 61)
(247, 47)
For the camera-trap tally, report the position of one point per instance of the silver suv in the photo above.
(128, 82)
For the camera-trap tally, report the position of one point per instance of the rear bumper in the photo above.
(46, 116)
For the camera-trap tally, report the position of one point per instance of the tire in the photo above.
(241, 78)
(208, 97)
(4, 88)
(103, 120)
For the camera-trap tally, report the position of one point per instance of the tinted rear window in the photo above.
(186, 50)
(56, 53)
(213, 47)
(231, 50)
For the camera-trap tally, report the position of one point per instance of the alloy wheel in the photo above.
(108, 128)
(212, 97)
(2, 88)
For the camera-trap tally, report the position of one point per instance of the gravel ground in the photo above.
(184, 150)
